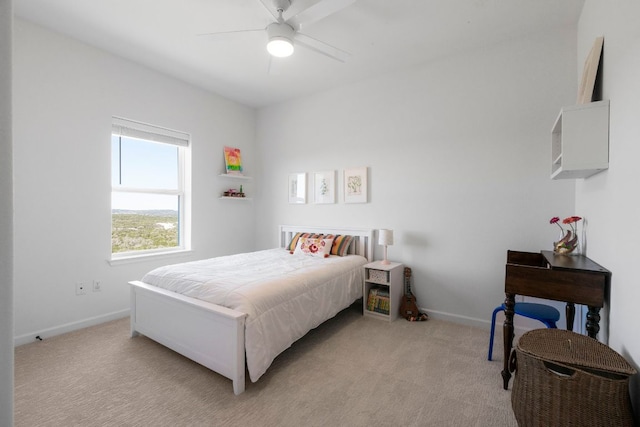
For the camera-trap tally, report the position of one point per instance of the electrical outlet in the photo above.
(97, 286)
(80, 289)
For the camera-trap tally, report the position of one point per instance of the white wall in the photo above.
(459, 158)
(65, 94)
(6, 217)
(610, 199)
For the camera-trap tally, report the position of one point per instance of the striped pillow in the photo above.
(341, 245)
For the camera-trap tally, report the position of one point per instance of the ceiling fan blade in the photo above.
(268, 4)
(318, 11)
(275, 66)
(321, 47)
(230, 32)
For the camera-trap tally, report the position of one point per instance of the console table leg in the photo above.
(507, 336)
(593, 321)
(570, 311)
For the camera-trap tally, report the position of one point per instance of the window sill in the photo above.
(128, 259)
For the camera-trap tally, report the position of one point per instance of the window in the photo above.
(148, 194)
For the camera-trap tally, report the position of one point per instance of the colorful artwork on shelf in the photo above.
(233, 161)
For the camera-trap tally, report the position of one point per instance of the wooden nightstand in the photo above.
(382, 290)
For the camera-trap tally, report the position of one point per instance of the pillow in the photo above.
(341, 245)
(314, 247)
(294, 240)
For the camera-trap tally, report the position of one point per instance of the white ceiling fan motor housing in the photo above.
(280, 37)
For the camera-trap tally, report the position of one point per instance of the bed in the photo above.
(256, 309)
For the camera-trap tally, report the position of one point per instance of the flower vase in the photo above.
(567, 245)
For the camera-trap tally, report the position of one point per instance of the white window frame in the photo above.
(132, 129)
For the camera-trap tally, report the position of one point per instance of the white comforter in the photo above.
(283, 295)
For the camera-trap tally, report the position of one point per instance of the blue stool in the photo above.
(544, 313)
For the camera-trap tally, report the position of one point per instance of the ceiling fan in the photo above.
(284, 34)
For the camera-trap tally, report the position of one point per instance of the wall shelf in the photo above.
(231, 176)
(235, 198)
(580, 141)
(235, 178)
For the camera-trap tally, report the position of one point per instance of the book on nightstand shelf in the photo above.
(378, 300)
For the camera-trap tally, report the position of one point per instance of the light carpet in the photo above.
(350, 371)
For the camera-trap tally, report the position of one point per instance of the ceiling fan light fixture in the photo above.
(280, 47)
(280, 42)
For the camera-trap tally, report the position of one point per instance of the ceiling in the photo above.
(381, 35)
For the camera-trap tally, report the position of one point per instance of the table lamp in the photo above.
(385, 238)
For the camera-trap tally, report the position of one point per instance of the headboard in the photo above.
(362, 237)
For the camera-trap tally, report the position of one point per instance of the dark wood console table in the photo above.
(574, 279)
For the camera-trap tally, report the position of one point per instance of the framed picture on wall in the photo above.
(590, 72)
(298, 188)
(355, 185)
(324, 187)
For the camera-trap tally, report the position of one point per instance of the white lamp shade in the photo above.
(385, 237)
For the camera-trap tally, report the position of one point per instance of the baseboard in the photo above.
(456, 318)
(470, 321)
(68, 327)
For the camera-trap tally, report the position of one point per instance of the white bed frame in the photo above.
(207, 333)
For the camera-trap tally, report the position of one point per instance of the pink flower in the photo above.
(555, 220)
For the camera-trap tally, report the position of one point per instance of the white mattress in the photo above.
(283, 295)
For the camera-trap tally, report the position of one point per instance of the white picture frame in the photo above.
(324, 187)
(297, 188)
(355, 185)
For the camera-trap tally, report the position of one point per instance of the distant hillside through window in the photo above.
(142, 230)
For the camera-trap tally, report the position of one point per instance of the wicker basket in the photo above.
(566, 379)
(380, 276)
